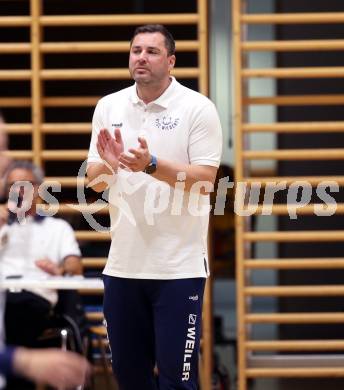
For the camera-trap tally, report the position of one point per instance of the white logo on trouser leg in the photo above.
(107, 337)
(189, 347)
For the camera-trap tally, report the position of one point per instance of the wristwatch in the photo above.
(151, 167)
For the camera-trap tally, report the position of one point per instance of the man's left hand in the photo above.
(140, 159)
(49, 267)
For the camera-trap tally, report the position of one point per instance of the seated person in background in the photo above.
(40, 246)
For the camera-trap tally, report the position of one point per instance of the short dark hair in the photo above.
(26, 165)
(152, 28)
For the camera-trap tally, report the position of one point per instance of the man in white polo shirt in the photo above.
(49, 366)
(39, 247)
(157, 144)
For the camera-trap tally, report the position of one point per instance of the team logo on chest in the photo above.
(166, 123)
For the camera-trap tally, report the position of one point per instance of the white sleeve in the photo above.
(68, 245)
(205, 138)
(97, 125)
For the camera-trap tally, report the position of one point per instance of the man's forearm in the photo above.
(72, 265)
(95, 171)
(167, 171)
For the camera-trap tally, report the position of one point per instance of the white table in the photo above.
(53, 282)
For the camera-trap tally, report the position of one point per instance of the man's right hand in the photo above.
(110, 148)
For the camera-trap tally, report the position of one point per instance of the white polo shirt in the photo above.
(48, 237)
(156, 233)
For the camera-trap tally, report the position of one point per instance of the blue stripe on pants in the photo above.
(154, 321)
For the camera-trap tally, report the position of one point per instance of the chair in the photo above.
(68, 323)
(67, 326)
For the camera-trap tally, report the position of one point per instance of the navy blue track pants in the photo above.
(154, 322)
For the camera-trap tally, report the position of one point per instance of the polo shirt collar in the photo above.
(162, 101)
(39, 218)
(36, 218)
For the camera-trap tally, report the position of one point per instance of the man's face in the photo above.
(25, 175)
(149, 62)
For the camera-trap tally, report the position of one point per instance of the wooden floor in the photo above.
(100, 383)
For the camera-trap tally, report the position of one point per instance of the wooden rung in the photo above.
(295, 318)
(68, 101)
(95, 343)
(19, 154)
(93, 291)
(61, 155)
(15, 102)
(296, 73)
(15, 74)
(296, 236)
(296, 100)
(116, 74)
(15, 21)
(267, 171)
(81, 208)
(307, 372)
(19, 128)
(309, 209)
(91, 235)
(118, 20)
(313, 180)
(80, 74)
(94, 262)
(22, 47)
(107, 46)
(311, 263)
(294, 127)
(66, 181)
(295, 45)
(187, 45)
(75, 208)
(84, 47)
(295, 345)
(294, 18)
(294, 154)
(99, 330)
(95, 316)
(66, 128)
(295, 291)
